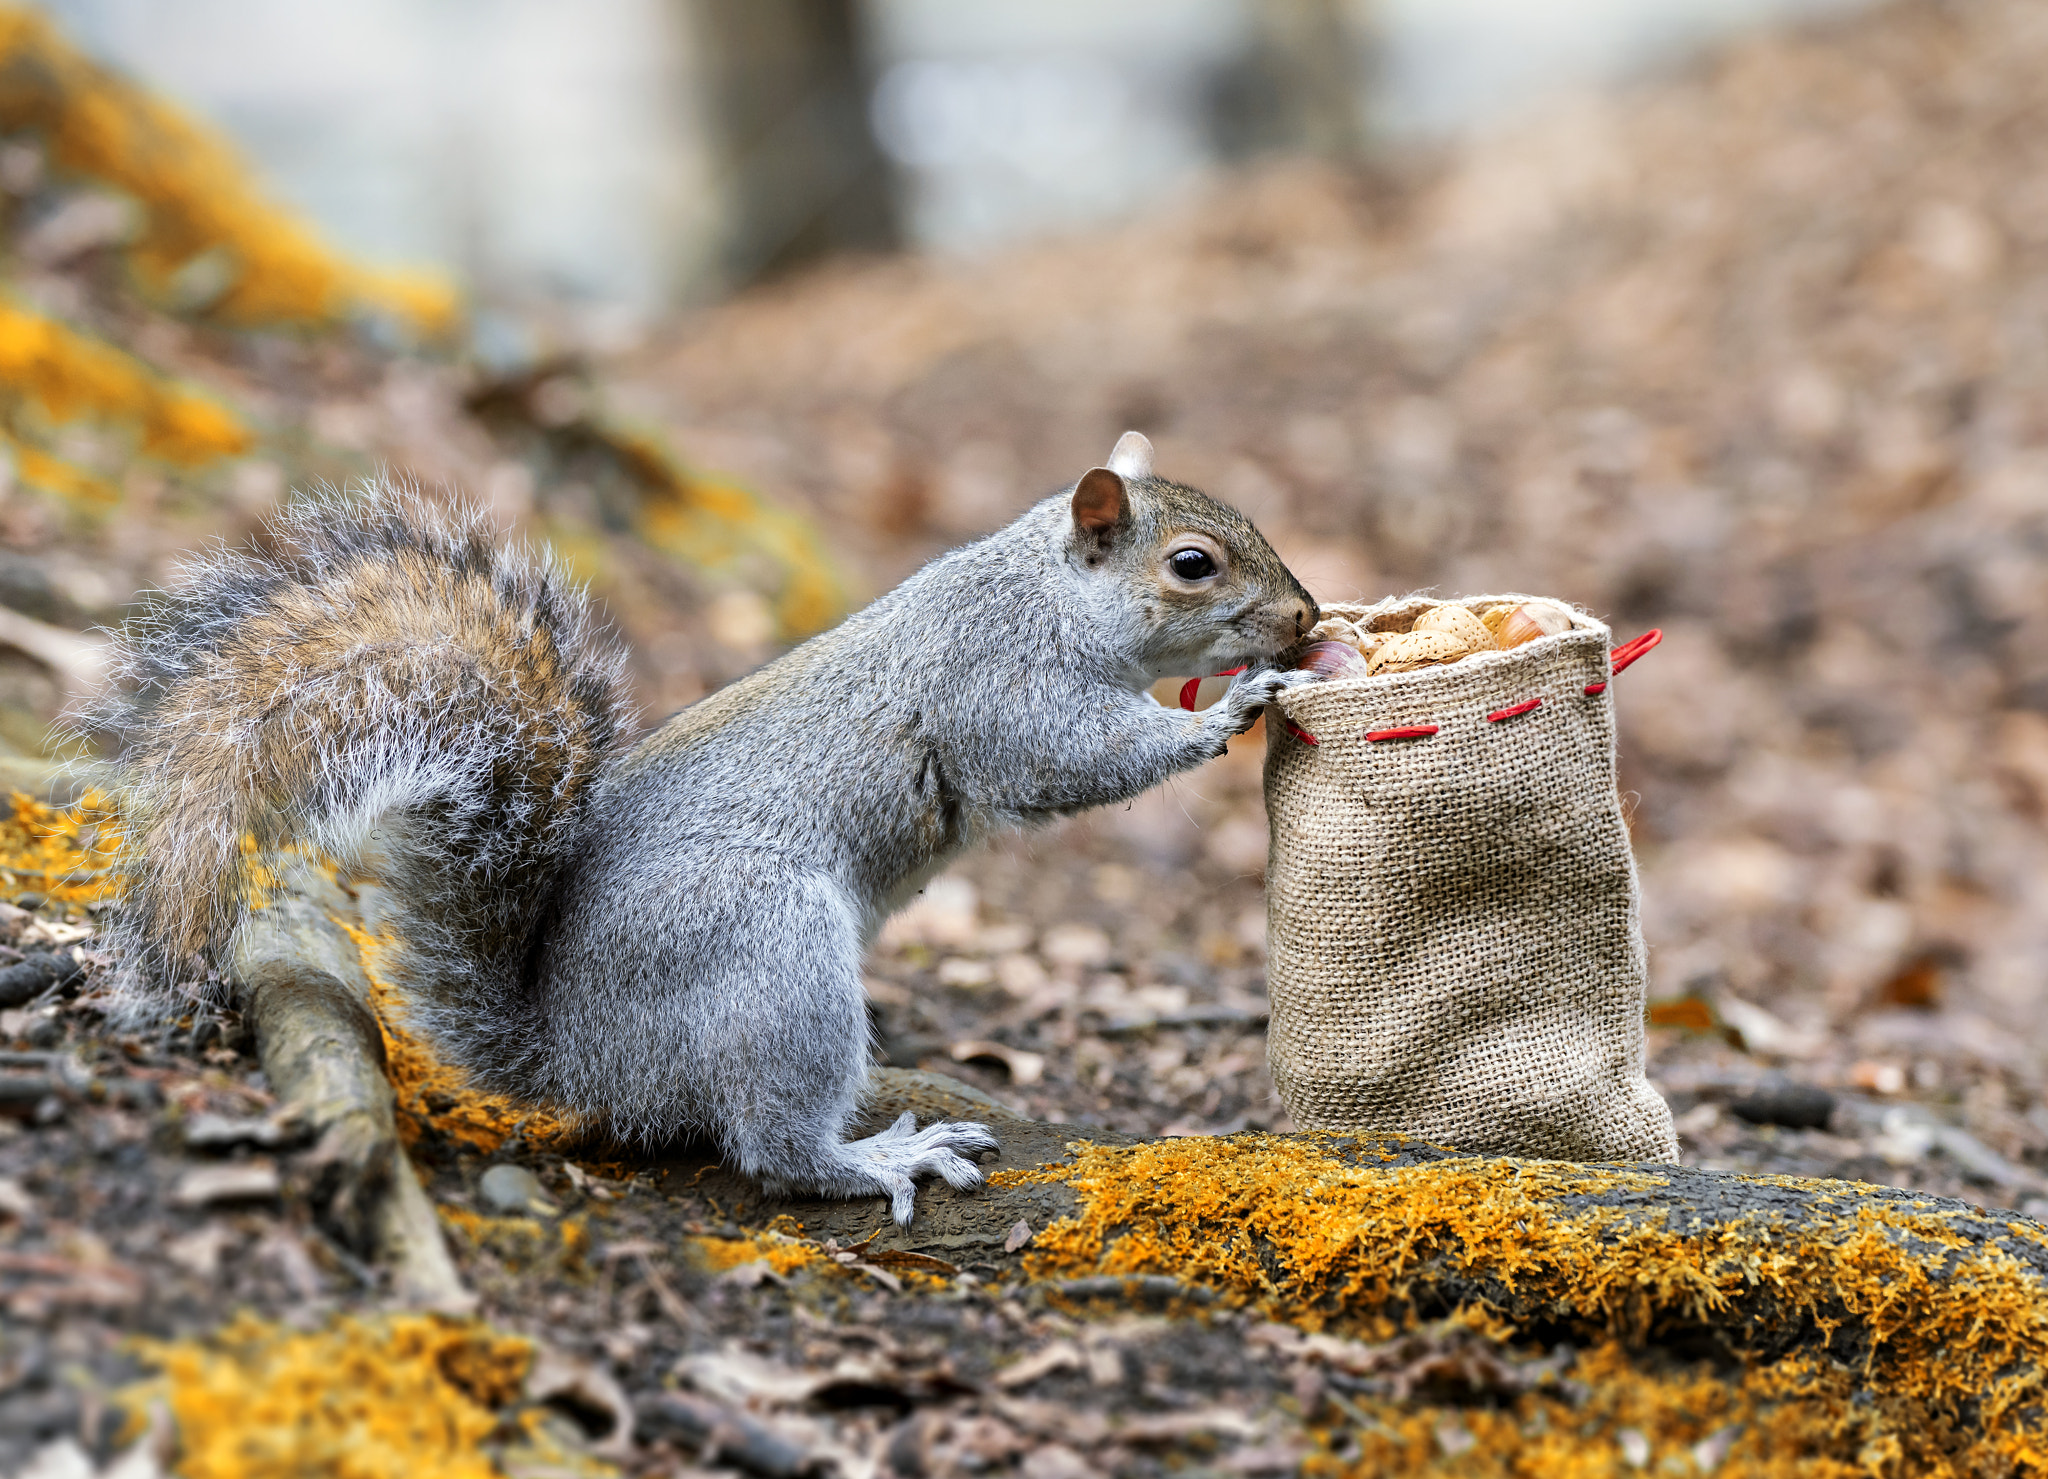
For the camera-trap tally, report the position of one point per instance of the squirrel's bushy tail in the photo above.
(386, 682)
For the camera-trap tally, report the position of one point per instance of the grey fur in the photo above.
(692, 962)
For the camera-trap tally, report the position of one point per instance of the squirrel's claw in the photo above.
(897, 1156)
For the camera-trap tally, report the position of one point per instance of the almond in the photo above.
(1410, 650)
(1455, 621)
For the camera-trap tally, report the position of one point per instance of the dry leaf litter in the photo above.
(1748, 356)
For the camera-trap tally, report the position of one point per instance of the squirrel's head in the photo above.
(1193, 584)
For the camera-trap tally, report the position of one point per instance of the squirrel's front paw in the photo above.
(1249, 695)
(900, 1154)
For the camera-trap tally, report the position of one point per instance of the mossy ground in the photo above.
(1932, 1349)
(392, 1397)
(1878, 1335)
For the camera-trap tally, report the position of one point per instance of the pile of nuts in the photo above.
(1442, 634)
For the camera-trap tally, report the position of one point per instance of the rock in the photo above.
(37, 974)
(514, 1191)
(1796, 1106)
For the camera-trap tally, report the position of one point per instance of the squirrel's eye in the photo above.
(1192, 564)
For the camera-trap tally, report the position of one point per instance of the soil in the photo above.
(1749, 355)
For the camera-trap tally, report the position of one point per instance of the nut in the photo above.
(1458, 622)
(1407, 651)
(1529, 621)
(1332, 660)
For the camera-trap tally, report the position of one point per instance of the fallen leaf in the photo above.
(244, 1181)
(1059, 1355)
(904, 1258)
(219, 1131)
(1164, 1427)
(198, 1252)
(1688, 1013)
(1024, 1067)
(558, 1376)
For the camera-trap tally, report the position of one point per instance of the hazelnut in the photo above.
(1529, 621)
(1332, 660)
(1407, 651)
(1457, 622)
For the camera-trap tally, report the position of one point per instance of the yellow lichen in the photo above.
(721, 527)
(194, 206)
(195, 196)
(71, 854)
(66, 375)
(1797, 1419)
(399, 1397)
(523, 1242)
(783, 1254)
(1948, 1327)
(435, 1095)
(66, 854)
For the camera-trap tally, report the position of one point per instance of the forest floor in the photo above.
(1105, 975)
(1751, 355)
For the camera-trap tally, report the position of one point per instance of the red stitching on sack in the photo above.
(1499, 714)
(1187, 689)
(1412, 731)
(1628, 652)
(1299, 733)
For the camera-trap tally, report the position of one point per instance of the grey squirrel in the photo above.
(666, 937)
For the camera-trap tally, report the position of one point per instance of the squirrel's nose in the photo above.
(1306, 615)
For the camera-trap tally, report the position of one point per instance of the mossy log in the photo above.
(1933, 1306)
(300, 982)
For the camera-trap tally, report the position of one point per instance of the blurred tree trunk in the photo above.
(788, 108)
(1300, 84)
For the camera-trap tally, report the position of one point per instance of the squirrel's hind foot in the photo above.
(893, 1160)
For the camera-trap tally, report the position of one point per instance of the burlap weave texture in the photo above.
(1453, 934)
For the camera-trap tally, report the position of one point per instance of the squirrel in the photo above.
(664, 938)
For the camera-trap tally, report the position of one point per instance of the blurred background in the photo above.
(1726, 318)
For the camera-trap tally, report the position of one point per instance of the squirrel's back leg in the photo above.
(748, 1008)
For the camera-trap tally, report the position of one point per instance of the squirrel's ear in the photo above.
(1098, 501)
(1132, 457)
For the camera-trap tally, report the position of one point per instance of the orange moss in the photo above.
(399, 1397)
(722, 527)
(67, 854)
(67, 375)
(1798, 1419)
(196, 197)
(523, 1242)
(785, 1255)
(435, 1095)
(1292, 1228)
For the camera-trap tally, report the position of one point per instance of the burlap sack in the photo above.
(1454, 948)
